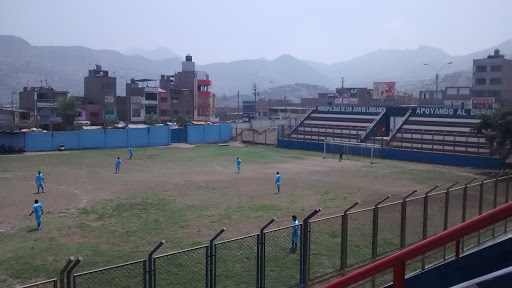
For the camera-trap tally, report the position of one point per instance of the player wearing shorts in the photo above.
(38, 210)
(278, 183)
(118, 165)
(238, 163)
(39, 181)
(130, 149)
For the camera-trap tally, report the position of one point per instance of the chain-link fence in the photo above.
(127, 275)
(44, 284)
(281, 263)
(388, 228)
(359, 236)
(186, 268)
(325, 246)
(331, 246)
(236, 262)
(414, 220)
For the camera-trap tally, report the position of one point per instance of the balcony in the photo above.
(204, 93)
(204, 82)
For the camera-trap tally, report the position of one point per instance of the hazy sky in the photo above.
(213, 31)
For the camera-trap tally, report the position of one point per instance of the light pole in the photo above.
(127, 104)
(437, 74)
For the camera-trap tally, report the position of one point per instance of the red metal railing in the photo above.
(397, 261)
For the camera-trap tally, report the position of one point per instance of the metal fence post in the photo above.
(344, 237)
(212, 269)
(446, 212)
(152, 274)
(304, 247)
(260, 255)
(63, 271)
(403, 219)
(425, 220)
(507, 199)
(375, 227)
(70, 270)
(481, 201)
(465, 207)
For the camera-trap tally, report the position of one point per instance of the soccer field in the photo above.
(183, 195)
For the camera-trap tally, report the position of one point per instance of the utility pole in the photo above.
(255, 91)
(342, 82)
(285, 105)
(12, 100)
(437, 75)
(342, 88)
(238, 103)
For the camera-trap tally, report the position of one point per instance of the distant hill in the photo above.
(65, 66)
(155, 54)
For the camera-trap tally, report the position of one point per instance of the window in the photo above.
(175, 112)
(439, 95)
(481, 68)
(108, 85)
(109, 111)
(80, 114)
(496, 68)
(163, 99)
(479, 93)
(151, 97)
(176, 101)
(480, 81)
(135, 112)
(424, 95)
(494, 93)
(94, 114)
(495, 81)
(164, 112)
(451, 91)
(151, 110)
(464, 91)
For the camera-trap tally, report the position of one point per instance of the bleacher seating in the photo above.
(318, 127)
(444, 135)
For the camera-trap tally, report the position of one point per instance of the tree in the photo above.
(67, 110)
(111, 121)
(151, 120)
(182, 122)
(497, 128)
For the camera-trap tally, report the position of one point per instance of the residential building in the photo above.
(142, 96)
(189, 92)
(90, 112)
(492, 78)
(42, 102)
(164, 105)
(249, 110)
(10, 116)
(100, 89)
(450, 97)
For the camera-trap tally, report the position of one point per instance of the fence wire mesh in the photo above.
(325, 246)
(185, 268)
(126, 275)
(436, 209)
(359, 234)
(282, 265)
(389, 228)
(44, 284)
(236, 262)
(379, 280)
(455, 207)
(414, 220)
(488, 196)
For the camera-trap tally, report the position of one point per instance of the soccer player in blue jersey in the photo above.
(38, 210)
(278, 183)
(39, 181)
(118, 165)
(238, 163)
(295, 233)
(130, 149)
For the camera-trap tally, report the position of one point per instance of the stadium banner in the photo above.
(384, 90)
(353, 109)
(347, 96)
(450, 112)
(482, 103)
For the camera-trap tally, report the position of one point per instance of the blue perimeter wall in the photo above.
(85, 139)
(117, 138)
(209, 133)
(409, 155)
